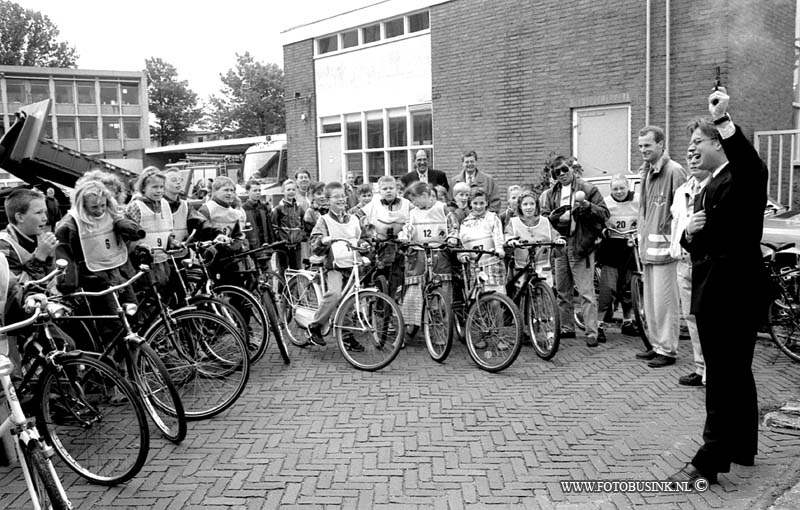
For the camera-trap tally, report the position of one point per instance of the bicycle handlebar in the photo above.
(263, 247)
(425, 246)
(631, 232)
(22, 324)
(61, 266)
(536, 244)
(143, 269)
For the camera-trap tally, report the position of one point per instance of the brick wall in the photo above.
(506, 74)
(299, 96)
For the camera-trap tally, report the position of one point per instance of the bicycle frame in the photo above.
(19, 425)
(528, 273)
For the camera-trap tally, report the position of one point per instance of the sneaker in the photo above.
(315, 336)
(661, 361)
(629, 328)
(601, 336)
(693, 379)
(353, 346)
(565, 333)
(648, 355)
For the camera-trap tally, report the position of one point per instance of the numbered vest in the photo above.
(157, 227)
(624, 215)
(388, 223)
(541, 232)
(180, 226)
(476, 233)
(224, 218)
(341, 253)
(430, 225)
(22, 254)
(102, 249)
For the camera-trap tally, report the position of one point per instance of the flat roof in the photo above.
(68, 72)
(354, 18)
(215, 144)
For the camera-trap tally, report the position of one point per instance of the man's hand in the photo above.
(718, 103)
(46, 246)
(696, 223)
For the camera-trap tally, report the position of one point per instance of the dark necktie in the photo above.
(700, 199)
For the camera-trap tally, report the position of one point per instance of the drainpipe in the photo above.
(647, 67)
(666, 79)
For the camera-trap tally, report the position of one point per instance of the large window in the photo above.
(88, 129)
(111, 129)
(86, 92)
(130, 93)
(64, 92)
(385, 153)
(130, 128)
(40, 90)
(16, 91)
(108, 93)
(66, 128)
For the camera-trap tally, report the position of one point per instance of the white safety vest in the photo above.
(225, 218)
(341, 253)
(542, 232)
(476, 234)
(430, 225)
(180, 227)
(102, 249)
(387, 223)
(157, 227)
(624, 215)
(22, 254)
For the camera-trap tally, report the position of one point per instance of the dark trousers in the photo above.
(727, 336)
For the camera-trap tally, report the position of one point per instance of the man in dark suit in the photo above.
(422, 173)
(729, 288)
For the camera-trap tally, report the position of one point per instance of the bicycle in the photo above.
(368, 324)
(41, 479)
(146, 370)
(84, 408)
(637, 283)
(535, 296)
(437, 317)
(490, 322)
(783, 319)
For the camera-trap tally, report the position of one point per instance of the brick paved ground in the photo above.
(319, 434)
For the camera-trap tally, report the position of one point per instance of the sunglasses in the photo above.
(561, 170)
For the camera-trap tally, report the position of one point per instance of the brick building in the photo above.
(516, 80)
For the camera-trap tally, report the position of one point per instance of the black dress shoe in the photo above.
(693, 379)
(567, 334)
(747, 460)
(660, 361)
(646, 355)
(689, 473)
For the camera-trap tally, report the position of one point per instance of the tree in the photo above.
(172, 102)
(252, 99)
(28, 38)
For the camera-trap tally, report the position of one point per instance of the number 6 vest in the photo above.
(102, 249)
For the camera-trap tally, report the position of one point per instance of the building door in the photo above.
(330, 158)
(601, 139)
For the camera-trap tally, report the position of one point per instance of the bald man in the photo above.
(422, 173)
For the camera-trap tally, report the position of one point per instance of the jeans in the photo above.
(576, 272)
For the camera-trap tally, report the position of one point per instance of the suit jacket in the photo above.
(728, 275)
(485, 181)
(435, 178)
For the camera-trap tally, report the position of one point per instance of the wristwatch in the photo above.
(722, 120)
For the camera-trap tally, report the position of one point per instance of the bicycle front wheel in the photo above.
(784, 328)
(257, 331)
(159, 395)
(369, 330)
(541, 313)
(270, 305)
(49, 490)
(637, 301)
(437, 325)
(206, 358)
(494, 332)
(300, 301)
(94, 419)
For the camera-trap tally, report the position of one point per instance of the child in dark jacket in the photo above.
(287, 222)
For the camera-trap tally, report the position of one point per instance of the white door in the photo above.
(330, 158)
(601, 139)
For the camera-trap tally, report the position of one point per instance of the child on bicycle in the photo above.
(337, 223)
(388, 215)
(427, 223)
(481, 229)
(287, 220)
(528, 226)
(616, 257)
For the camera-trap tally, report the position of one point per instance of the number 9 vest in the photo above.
(157, 227)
